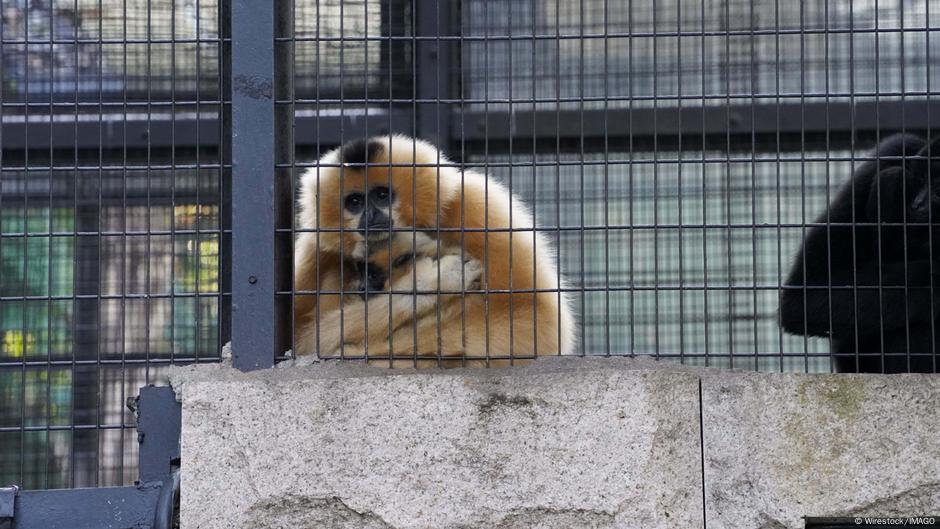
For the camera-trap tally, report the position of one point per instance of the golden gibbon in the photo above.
(368, 189)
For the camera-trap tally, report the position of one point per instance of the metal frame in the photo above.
(147, 505)
(434, 64)
(254, 140)
(474, 126)
(267, 121)
(717, 122)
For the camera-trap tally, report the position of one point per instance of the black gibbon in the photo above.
(372, 187)
(863, 274)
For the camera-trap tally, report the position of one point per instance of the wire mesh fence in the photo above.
(673, 156)
(112, 223)
(675, 153)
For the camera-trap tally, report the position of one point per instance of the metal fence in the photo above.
(113, 223)
(675, 153)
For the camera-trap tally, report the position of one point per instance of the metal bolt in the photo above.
(252, 279)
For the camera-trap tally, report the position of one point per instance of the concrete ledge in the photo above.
(352, 447)
(779, 447)
(565, 443)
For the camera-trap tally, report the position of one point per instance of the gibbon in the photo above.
(383, 299)
(368, 189)
(863, 274)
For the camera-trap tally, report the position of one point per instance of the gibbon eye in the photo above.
(401, 260)
(374, 275)
(355, 202)
(380, 196)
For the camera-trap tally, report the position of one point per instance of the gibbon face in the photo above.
(366, 205)
(369, 211)
(372, 186)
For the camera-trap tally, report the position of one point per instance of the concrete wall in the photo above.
(566, 443)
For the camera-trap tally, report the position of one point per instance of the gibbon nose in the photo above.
(375, 285)
(374, 219)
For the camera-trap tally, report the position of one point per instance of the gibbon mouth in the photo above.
(363, 295)
(377, 235)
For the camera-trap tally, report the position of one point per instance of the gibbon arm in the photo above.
(403, 308)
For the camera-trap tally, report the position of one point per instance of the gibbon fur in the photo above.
(864, 272)
(384, 299)
(448, 329)
(529, 312)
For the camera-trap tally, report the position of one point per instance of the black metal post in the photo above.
(283, 176)
(254, 140)
(715, 123)
(159, 421)
(86, 343)
(434, 71)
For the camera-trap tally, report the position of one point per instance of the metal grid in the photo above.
(113, 223)
(675, 153)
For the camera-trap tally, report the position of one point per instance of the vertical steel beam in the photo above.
(225, 177)
(86, 339)
(434, 65)
(254, 141)
(284, 173)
